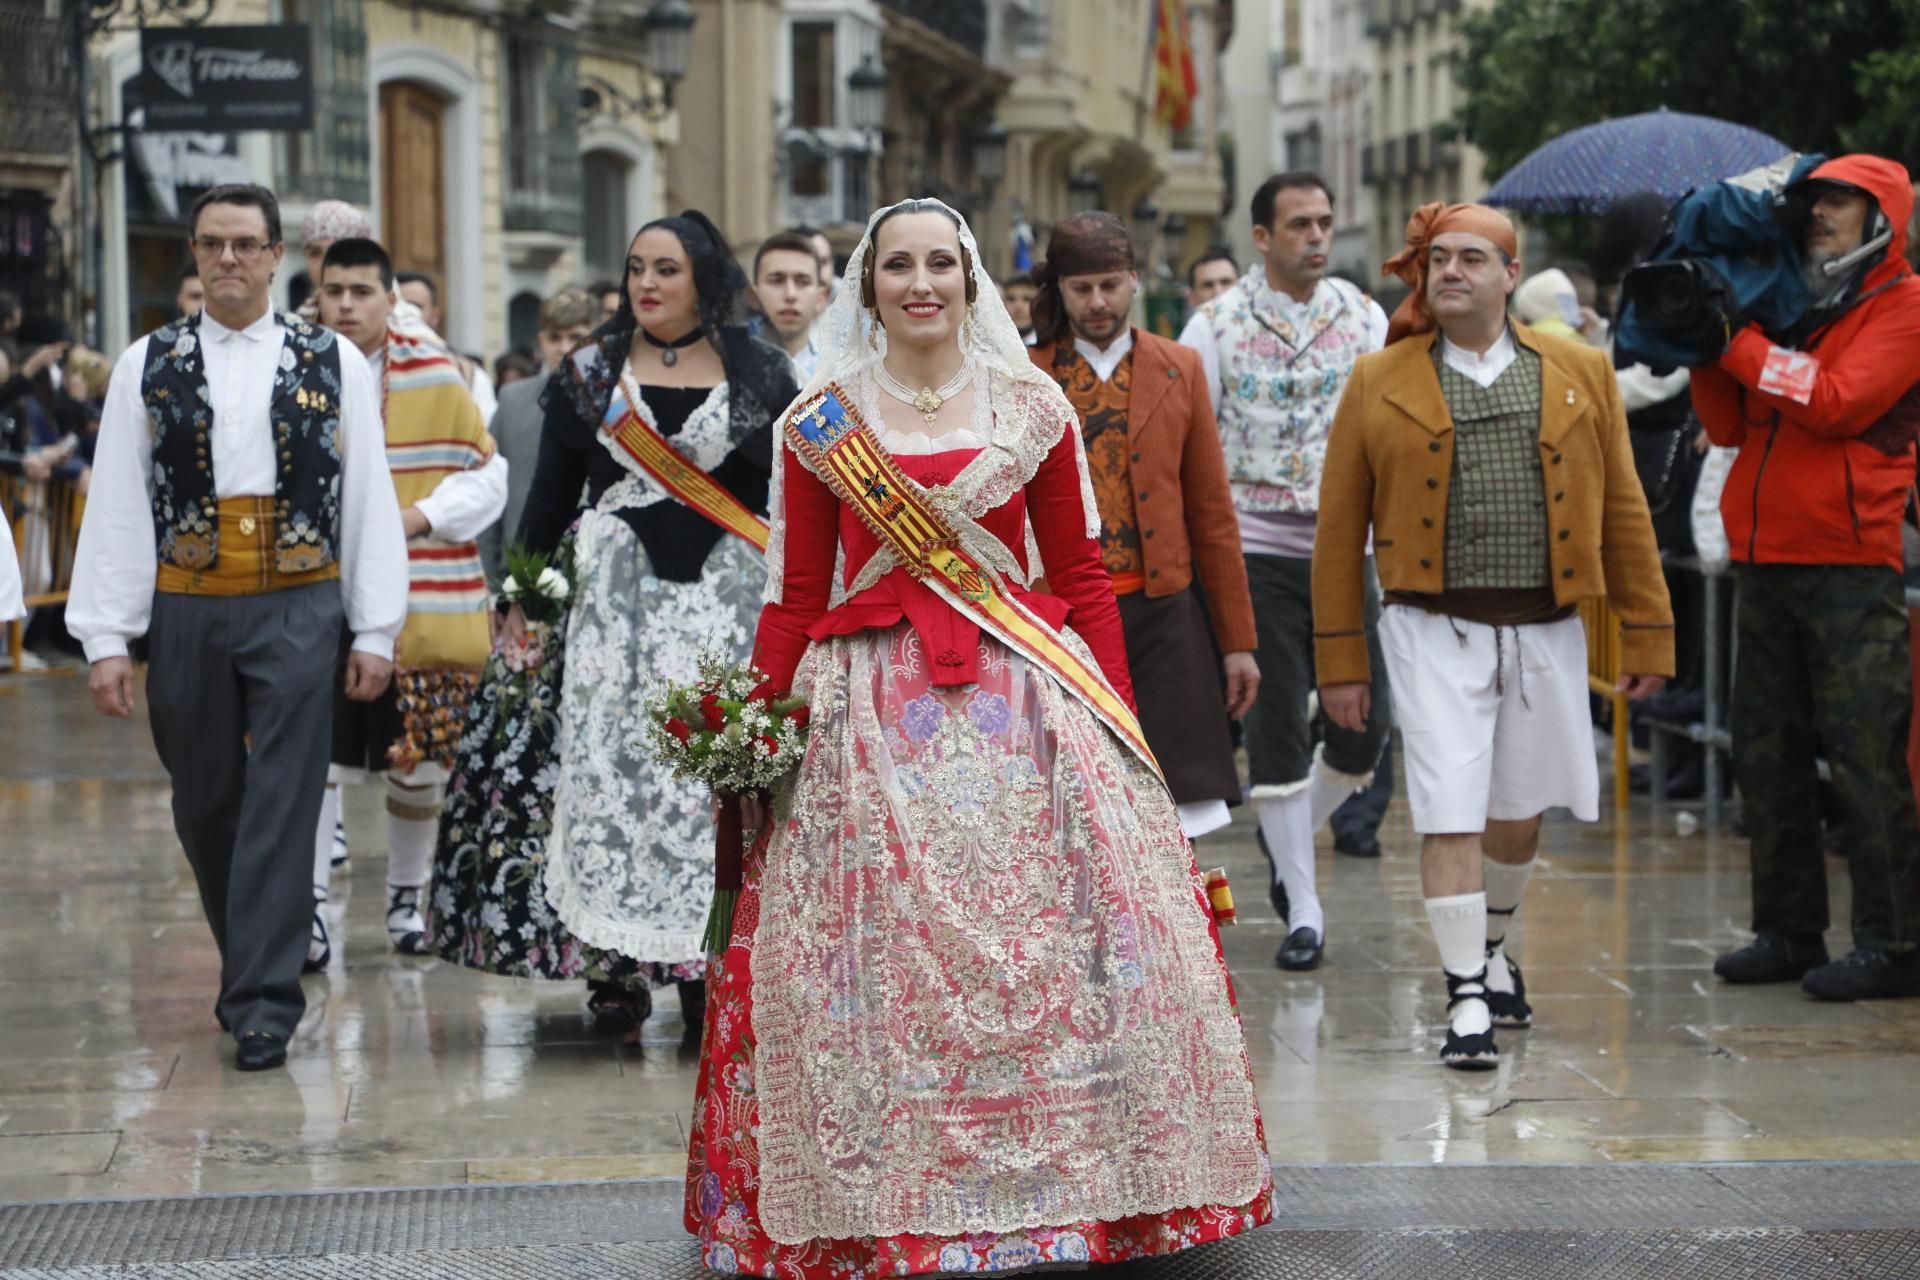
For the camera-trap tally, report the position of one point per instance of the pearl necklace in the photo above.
(926, 400)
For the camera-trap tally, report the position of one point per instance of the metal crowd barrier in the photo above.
(45, 518)
(1711, 730)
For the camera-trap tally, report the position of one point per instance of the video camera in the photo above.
(1732, 256)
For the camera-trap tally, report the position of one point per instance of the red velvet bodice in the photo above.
(817, 525)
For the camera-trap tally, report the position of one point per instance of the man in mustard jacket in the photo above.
(1495, 464)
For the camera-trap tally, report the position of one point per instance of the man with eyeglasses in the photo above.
(241, 516)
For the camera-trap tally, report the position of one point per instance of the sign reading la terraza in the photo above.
(227, 79)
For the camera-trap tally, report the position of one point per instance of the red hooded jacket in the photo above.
(1826, 482)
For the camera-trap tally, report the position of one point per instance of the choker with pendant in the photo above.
(670, 351)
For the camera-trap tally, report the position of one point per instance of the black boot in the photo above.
(1771, 959)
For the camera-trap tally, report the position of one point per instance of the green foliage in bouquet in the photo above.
(540, 584)
(728, 729)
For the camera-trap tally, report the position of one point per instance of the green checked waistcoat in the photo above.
(1496, 498)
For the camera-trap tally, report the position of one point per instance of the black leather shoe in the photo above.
(1475, 1051)
(1301, 950)
(1276, 892)
(1772, 959)
(1357, 847)
(258, 1051)
(1510, 1009)
(616, 1009)
(1864, 974)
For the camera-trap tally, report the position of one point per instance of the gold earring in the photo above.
(967, 328)
(873, 328)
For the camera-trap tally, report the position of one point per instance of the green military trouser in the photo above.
(1824, 668)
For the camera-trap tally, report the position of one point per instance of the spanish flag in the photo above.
(1176, 83)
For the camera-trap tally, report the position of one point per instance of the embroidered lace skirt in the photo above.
(974, 1015)
(630, 862)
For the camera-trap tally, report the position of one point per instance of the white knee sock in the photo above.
(1331, 789)
(1287, 823)
(323, 841)
(413, 824)
(1506, 884)
(1460, 929)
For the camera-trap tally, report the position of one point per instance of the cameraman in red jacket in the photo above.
(1813, 508)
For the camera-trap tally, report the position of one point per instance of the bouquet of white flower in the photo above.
(541, 586)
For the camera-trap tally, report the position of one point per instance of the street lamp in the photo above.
(669, 30)
(867, 95)
(1146, 220)
(1175, 229)
(1083, 192)
(990, 154)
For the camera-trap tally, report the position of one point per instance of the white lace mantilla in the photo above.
(1017, 407)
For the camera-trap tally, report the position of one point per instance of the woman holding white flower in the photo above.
(574, 851)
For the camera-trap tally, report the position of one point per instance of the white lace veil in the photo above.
(841, 334)
(851, 341)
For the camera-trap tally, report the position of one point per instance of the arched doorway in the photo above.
(413, 177)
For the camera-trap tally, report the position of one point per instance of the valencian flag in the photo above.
(1175, 81)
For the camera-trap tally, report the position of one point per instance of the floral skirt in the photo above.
(489, 908)
(974, 1014)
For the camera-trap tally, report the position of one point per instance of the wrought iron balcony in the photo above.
(36, 83)
(962, 21)
(543, 183)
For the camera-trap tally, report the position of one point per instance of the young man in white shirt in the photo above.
(1278, 348)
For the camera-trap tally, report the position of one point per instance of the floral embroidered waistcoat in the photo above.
(305, 414)
(1279, 388)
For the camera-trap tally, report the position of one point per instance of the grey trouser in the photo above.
(223, 672)
(1279, 733)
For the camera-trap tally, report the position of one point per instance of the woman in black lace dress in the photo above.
(567, 850)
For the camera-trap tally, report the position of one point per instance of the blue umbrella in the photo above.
(1669, 152)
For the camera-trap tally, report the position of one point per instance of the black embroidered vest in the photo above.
(305, 413)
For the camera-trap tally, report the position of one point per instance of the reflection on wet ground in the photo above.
(113, 1078)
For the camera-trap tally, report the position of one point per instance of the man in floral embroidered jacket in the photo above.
(1277, 348)
(1165, 511)
(241, 515)
(451, 483)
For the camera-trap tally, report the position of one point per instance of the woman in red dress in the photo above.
(974, 1015)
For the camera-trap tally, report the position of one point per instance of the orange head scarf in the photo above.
(1410, 264)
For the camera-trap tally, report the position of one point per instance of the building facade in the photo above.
(1416, 154)
(38, 152)
(509, 148)
(504, 149)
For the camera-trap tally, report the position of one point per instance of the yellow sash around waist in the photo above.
(245, 566)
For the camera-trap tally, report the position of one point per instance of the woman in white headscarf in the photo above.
(973, 1015)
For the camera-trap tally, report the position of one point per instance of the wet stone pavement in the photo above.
(114, 1080)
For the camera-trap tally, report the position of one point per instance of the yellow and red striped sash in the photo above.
(678, 476)
(841, 449)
